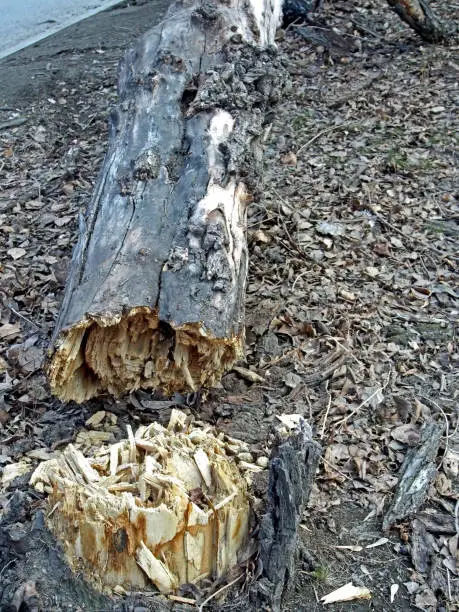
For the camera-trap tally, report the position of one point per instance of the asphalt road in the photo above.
(24, 22)
(83, 50)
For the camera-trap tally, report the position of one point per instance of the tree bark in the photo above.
(156, 288)
(416, 474)
(291, 474)
(419, 16)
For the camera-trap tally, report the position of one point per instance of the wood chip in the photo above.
(348, 592)
(96, 419)
(203, 463)
(248, 374)
(155, 570)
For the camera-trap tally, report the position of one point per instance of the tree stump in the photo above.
(169, 507)
(155, 292)
(163, 508)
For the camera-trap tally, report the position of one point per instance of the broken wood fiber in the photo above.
(155, 292)
(164, 507)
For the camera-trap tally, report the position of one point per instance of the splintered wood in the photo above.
(163, 507)
(120, 354)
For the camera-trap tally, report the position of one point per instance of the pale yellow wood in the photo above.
(177, 513)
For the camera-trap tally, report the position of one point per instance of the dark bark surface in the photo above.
(292, 469)
(417, 472)
(156, 288)
(419, 16)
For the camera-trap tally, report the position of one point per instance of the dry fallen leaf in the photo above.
(289, 420)
(372, 271)
(406, 434)
(288, 159)
(16, 252)
(9, 330)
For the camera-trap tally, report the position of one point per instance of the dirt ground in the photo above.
(352, 301)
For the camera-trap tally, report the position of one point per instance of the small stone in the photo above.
(247, 457)
(263, 462)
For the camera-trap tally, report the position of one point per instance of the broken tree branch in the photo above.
(417, 472)
(420, 17)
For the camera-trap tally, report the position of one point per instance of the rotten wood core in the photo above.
(164, 507)
(156, 288)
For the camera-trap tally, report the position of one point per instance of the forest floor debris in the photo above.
(352, 308)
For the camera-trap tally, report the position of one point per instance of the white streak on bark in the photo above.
(267, 15)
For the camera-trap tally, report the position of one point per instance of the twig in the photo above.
(298, 21)
(6, 566)
(348, 350)
(335, 469)
(300, 275)
(315, 593)
(365, 401)
(326, 131)
(220, 590)
(364, 29)
(413, 238)
(16, 122)
(322, 433)
(18, 314)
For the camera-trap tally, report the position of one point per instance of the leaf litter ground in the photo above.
(352, 306)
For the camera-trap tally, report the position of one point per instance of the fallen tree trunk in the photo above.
(420, 17)
(156, 288)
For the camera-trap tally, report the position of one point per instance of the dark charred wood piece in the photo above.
(292, 469)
